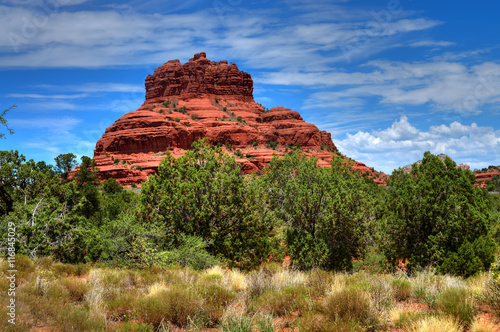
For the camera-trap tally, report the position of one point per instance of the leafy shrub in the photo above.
(239, 119)
(194, 117)
(177, 120)
(471, 258)
(255, 144)
(192, 251)
(273, 144)
(111, 186)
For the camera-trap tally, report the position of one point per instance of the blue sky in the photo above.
(389, 79)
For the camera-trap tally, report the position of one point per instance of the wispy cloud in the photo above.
(59, 125)
(115, 38)
(441, 85)
(431, 43)
(40, 96)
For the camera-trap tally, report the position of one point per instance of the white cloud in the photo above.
(431, 43)
(403, 144)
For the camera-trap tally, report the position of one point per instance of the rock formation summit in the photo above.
(203, 98)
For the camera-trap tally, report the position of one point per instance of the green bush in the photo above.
(194, 117)
(192, 251)
(471, 258)
(111, 186)
(273, 144)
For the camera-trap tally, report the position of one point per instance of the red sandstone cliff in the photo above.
(203, 98)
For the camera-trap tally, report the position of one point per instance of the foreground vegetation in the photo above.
(106, 257)
(62, 297)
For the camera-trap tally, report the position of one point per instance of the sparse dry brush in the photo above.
(272, 298)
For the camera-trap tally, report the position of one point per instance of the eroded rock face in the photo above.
(202, 98)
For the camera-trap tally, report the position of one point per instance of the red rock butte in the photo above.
(203, 98)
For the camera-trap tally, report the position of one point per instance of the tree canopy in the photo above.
(433, 212)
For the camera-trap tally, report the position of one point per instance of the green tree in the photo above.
(433, 211)
(65, 163)
(21, 179)
(3, 121)
(203, 194)
(325, 212)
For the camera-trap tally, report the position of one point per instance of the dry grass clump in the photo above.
(401, 289)
(175, 305)
(73, 318)
(120, 305)
(477, 285)
(77, 288)
(403, 318)
(458, 303)
(436, 324)
(215, 299)
(156, 288)
(283, 301)
(94, 298)
(480, 325)
(63, 270)
(350, 305)
(320, 281)
(236, 280)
